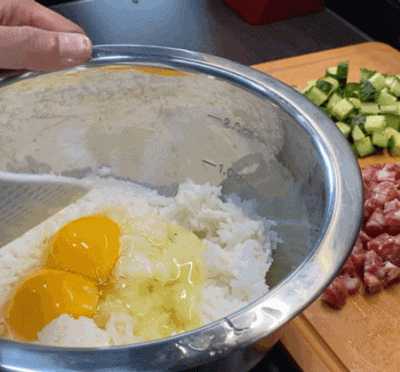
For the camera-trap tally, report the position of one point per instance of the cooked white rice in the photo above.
(237, 256)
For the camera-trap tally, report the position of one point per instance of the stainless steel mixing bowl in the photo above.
(158, 116)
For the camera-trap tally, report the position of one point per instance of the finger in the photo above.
(35, 49)
(31, 13)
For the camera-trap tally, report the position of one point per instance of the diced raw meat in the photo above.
(383, 192)
(387, 247)
(394, 167)
(335, 295)
(386, 174)
(369, 173)
(375, 258)
(390, 273)
(358, 262)
(372, 283)
(372, 262)
(349, 268)
(376, 243)
(358, 255)
(393, 205)
(364, 237)
(392, 222)
(375, 224)
(352, 284)
(370, 205)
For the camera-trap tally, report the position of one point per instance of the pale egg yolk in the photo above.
(44, 296)
(88, 246)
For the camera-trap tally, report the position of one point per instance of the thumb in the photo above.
(29, 48)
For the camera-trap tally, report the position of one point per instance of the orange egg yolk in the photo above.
(44, 296)
(89, 246)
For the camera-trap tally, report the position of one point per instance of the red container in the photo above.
(257, 12)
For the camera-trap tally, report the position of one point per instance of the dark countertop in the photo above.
(209, 26)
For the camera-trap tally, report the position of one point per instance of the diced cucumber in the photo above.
(342, 72)
(333, 100)
(344, 128)
(354, 148)
(316, 96)
(364, 147)
(357, 133)
(356, 102)
(389, 80)
(366, 112)
(367, 91)
(393, 121)
(328, 85)
(324, 86)
(388, 109)
(374, 123)
(358, 120)
(352, 90)
(385, 98)
(395, 87)
(332, 71)
(333, 81)
(390, 132)
(308, 86)
(377, 80)
(366, 74)
(342, 109)
(380, 139)
(369, 108)
(394, 144)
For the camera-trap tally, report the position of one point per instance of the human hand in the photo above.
(33, 37)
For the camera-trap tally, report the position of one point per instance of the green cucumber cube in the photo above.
(388, 109)
(389, 132)
(332, 70)
(393, 121)
(385, 98)
(377, 80)
(380, 139)
(332, 81)
(344, 128)
(342, 108)
(389, 80)
(374, 123)
(356, 102)
(395, 87)
(366, 74)
(357, 133)
(364, 147)
(394, 144)
(308, 86)
(369, 108)
(333, 100)
(316, 96)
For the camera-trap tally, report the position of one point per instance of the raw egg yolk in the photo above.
(44, 296)
(88, 246)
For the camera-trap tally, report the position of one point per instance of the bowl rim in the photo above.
(267, 314)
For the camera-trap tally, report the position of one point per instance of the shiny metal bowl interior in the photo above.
(210, 120)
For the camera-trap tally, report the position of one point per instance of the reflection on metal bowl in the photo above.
(158, 116)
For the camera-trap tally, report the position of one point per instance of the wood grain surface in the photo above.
(365, 335)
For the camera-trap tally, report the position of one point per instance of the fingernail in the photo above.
(74, 48)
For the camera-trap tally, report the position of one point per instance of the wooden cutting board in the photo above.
(365, 335)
